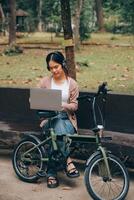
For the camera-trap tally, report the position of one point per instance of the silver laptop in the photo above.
(45, 99)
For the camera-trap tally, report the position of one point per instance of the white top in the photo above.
(64, 87)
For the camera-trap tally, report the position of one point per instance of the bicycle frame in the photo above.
(98, 130)
(73, 138)
(80, 138)
(32, 154)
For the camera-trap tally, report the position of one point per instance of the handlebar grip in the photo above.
(102, 88)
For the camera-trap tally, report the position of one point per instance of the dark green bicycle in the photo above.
(106, 177)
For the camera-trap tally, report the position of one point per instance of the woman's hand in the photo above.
(64, 106)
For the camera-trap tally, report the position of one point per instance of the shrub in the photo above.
(13, 50)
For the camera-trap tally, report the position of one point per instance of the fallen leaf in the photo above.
(66, 188)
(114, 79)
(127, 69)
(122, 85)
(27, 81)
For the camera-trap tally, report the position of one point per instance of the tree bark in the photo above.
(78, 9)
(40, 23)
(2, 13)
(2, 19)
(99, 15)
(12, 22)
(68, 36)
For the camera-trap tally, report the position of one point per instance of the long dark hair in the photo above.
(57, 57)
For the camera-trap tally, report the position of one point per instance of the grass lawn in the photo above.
(114, 64)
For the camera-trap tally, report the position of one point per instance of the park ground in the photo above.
(11, 188)
(104, 57)
(112, 61)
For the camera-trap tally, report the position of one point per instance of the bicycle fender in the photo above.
(98, 152)
(92, 156)
(36, 139)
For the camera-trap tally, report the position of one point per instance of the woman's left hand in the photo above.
(64, 105)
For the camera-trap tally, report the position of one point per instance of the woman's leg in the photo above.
(52, 180)
(68, 128)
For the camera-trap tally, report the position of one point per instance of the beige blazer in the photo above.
(72, 105)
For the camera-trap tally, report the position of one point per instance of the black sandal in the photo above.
(52, 182)
(72, 173)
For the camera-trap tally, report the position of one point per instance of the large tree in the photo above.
(40, 22)
(76, 29)
(87, 20)
(99, 15)
(12, 22)
(68, 36)
(2, 19)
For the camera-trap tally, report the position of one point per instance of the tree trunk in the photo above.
(40, 23)
(77, 23)
(99, 15)
(68, 36)
(12, 22)
(2, 19)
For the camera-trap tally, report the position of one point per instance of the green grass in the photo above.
(96, 38)
(113, 64)
(111, 39)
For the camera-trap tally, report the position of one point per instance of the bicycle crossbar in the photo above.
(80, 138)
(84, 138)
(105, 139)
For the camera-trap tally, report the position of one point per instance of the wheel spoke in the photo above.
(27, 165)
(98, 183)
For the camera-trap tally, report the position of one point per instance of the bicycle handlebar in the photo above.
(102, 89)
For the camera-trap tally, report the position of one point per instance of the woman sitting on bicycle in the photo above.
(66, 122)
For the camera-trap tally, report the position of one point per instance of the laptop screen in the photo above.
(45, 99)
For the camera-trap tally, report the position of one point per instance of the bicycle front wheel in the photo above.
(27, 166)
(98, 183)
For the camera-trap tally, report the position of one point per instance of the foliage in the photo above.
(13, 50)
(86, 20)
(119, 16)
(50, 13)
(128, 14)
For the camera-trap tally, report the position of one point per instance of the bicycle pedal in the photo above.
(41, 173)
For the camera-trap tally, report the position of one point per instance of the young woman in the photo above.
(66, 122)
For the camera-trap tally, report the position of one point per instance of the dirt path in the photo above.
(11, 188)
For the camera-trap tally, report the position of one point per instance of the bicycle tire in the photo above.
(22, 167)
(114, 189)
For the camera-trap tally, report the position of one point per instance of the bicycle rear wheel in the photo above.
(98, 184)
(27, 166)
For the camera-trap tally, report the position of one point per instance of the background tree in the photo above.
(118, 15)
(87, 20)
(12, 22)
(40, 22)
(127, 13)
(76, 21)
(52, 16)
(32, 8)
(68, 36)
(99, 15)
(2, 20)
